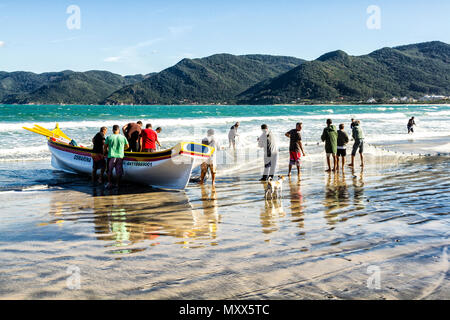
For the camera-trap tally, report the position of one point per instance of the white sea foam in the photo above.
(188, 122)
(379, 128)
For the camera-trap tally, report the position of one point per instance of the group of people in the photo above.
(108, 151)
(336, 141)
(335, 146)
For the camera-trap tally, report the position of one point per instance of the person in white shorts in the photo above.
(211, 162)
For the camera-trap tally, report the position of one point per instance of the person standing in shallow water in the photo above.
(358, 136)
(115, 146)
(98, 158)
(132, 132)
(329, 136)
(410, 125)
(295, 147)
(268, 142)
(149, 139)
(342, 140)
(232, 134)
(211, 162)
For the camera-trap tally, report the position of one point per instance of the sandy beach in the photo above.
(227, 242)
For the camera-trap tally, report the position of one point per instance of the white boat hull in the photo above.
(169, 169)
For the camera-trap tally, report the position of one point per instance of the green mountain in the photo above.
(20, 82)
(67, 87)
(412, 70)
(214, 79)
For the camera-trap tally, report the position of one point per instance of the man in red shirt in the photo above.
(149, 139)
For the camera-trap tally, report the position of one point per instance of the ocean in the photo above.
(227, 241)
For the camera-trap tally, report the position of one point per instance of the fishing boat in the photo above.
(168, 169)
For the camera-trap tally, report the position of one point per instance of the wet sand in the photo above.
(227, 242)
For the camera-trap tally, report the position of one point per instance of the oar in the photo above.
(47, 134)
(48, 131)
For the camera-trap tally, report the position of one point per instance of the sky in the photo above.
(131, 37)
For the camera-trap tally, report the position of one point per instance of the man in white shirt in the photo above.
(211, 162)
(268, 141)
(232, 134)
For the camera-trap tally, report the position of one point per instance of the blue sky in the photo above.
(130, 37)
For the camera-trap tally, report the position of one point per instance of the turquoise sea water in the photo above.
(49, 113)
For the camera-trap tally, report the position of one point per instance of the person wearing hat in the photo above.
(211, 162)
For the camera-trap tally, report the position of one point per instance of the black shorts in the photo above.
(341, 152)
(134, 146)
(98, 162)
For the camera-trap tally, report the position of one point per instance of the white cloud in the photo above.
(64, 40)
(112, 59)
(131, 53)
(179, 30)
(2, 44)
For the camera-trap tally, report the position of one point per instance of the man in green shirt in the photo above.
(115, 146)
(329, 136)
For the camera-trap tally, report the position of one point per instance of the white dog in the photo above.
(274, 187)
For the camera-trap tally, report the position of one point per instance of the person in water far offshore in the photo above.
(295, 146)
(410, 125)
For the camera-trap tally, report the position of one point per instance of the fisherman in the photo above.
(132, 132)
(115, 145)
(232, 134)
(342, 140)
(98, 158)
(295, 146)
(410, 125)
(158, 131)
(149, 139)
(211, 162)
(267, 141)
(358, 136)
(329, 136)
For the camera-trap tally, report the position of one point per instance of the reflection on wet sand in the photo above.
(125, 219)
(297, 206)
(336, 196)
(358, 189)
(273, 210)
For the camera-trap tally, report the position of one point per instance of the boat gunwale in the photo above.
(131, 156)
